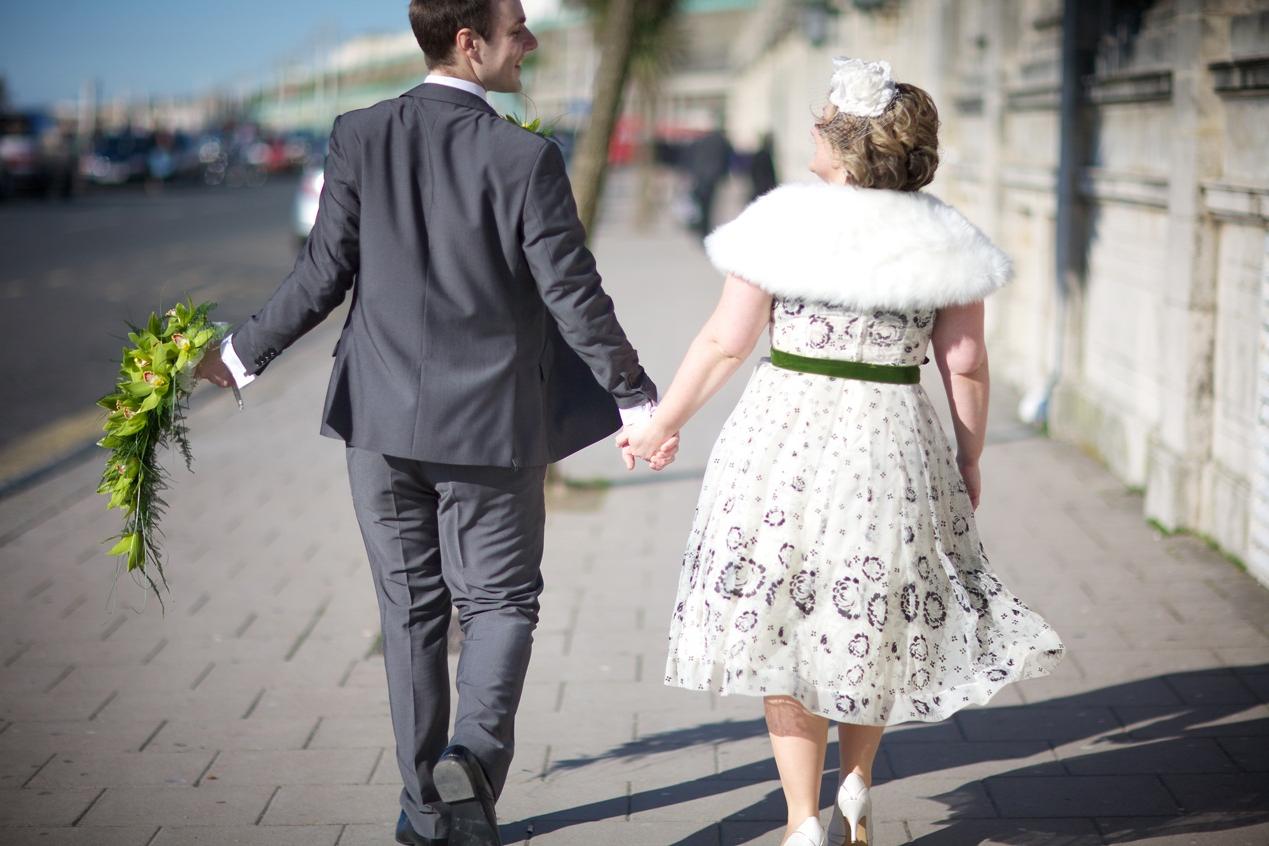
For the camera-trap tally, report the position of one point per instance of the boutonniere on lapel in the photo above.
(535, 126)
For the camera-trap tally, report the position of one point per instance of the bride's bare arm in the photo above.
(722, 345)
(961, 355)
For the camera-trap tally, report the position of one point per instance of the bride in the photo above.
(834, 567)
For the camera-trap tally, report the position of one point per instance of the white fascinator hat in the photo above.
(861, 88)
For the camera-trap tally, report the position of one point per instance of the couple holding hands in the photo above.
(833, 566)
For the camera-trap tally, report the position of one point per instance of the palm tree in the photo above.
(654, 55)
(624, 29)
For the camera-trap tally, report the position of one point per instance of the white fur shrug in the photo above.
(860, 248)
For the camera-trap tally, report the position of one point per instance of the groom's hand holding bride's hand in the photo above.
(649, 443)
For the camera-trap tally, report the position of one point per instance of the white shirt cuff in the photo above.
(241, 377)
(637, 415)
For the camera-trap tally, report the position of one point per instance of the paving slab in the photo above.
(735, 833)
(304, 766)
(207, 805)
(1081, 796)
(974, 760)
(1170, 755)
(327, 804)
(1191, 830)
(1003, 832)
(122, 769)
(350, 733)
(132, 835)
(183, 735)
(50, 736)
(23, 807)
(251, 835)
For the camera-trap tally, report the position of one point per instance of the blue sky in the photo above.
(139, 47)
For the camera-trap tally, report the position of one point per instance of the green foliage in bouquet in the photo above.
(145, 413)
(535, 126)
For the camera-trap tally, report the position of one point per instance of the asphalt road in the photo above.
(73, 274)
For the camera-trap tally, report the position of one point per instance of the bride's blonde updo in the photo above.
(897, 150)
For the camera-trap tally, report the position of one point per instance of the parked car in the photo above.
(118, 159)
(268, 155)
(173, 158)
(299, 146)
(309, 191)
(235, 157)
(36, 157)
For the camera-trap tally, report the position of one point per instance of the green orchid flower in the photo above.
(151, 402)
(121, 497)
(111, 402)
(133, 424)
(119, 416)
(120, 475)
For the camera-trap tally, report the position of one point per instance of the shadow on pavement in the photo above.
(1144, 774)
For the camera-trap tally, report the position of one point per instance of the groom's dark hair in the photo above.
(436, 22)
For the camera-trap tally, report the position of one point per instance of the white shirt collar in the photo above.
(454, 82)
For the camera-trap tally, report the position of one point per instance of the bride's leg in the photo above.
(857, 749)
(798, 739)
(858, 746)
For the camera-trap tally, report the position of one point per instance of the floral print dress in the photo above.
(833, 556)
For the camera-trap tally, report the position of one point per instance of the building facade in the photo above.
(558, 77)
(1117, 149)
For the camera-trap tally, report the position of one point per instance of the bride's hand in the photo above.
(665, 454)
(973, 480)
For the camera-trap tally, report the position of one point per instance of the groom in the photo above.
(479, 347)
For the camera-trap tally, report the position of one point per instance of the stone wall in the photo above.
(1144, 344)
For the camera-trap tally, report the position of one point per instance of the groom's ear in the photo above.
(467, 42)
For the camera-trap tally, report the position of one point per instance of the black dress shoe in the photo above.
(407, 835)
(462, 786)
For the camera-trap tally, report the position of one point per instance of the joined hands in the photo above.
(650, 443)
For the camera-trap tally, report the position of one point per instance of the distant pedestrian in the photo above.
(708, 163)
(762, 170)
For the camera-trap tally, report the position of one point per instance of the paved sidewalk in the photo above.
(255, 710)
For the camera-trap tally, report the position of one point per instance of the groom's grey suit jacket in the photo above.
(478, 333)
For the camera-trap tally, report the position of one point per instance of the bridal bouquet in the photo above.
(146, 412)
(535, 126)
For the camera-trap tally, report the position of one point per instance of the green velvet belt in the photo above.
(895, 374)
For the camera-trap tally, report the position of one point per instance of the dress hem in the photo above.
(839, 706)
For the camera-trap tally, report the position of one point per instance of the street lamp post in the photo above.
(815, 17)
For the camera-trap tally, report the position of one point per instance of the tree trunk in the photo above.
(645, 157)
(591, 160)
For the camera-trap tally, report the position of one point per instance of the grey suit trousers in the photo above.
(439, 535)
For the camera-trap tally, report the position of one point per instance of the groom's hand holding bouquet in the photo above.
(213, 369)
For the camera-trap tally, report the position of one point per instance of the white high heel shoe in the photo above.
(809, 833)
(853, 808)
